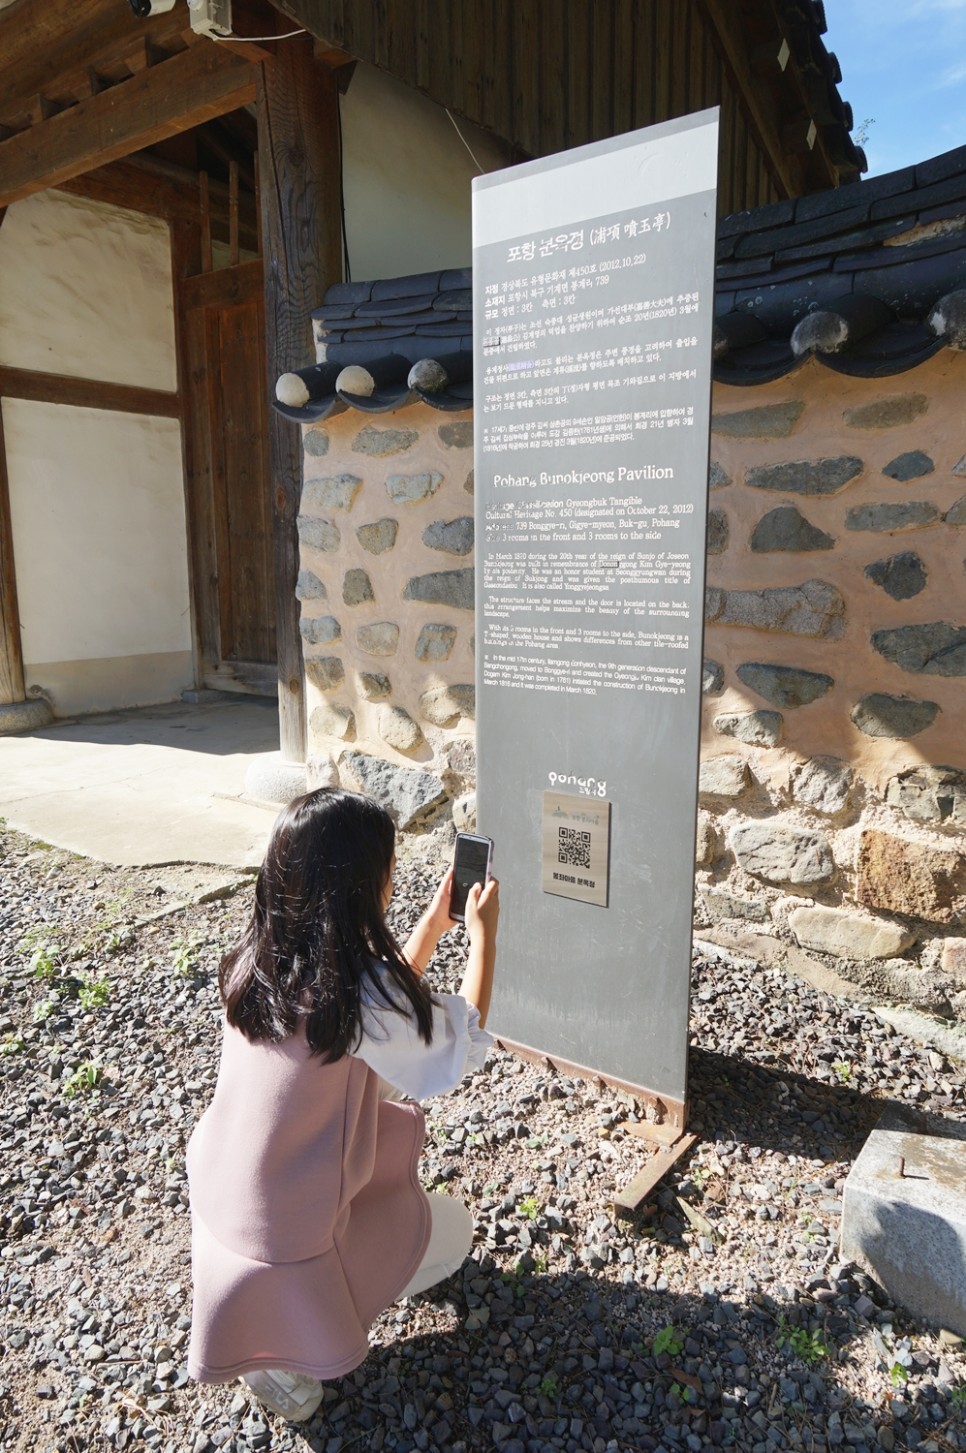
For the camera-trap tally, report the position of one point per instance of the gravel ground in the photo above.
(720, 1316)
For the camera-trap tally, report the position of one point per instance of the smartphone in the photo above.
(471, 864)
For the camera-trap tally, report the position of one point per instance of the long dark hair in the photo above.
(318, 934)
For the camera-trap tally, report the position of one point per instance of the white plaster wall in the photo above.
(99, 538)
(406, 179)
(86, 290)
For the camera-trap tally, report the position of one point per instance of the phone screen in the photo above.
(469, 867)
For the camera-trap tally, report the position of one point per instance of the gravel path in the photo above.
(719, 1317)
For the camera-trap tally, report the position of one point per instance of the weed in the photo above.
(540, 1262)
(811, 1347)
(898, 1374)
(82, 1081)
(667, 1340)
(957, 1395)
(44, 1008)
(186, 958)
(549, 1386)
(94, 993)
(529, 1207)
(11, 1044)
(844, 1072)
(45, 961)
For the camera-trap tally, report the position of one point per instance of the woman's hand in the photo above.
(482, 916)
(483, 910)
(431, 927)
(437, 915)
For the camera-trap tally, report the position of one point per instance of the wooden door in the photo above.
(222, 321)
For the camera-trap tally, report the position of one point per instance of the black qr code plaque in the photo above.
(576, 847)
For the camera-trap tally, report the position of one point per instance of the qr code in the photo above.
(573, 848)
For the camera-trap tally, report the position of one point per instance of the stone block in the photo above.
(464, 813)
(930, 794)
(456, 435)
(934, 649)
(718, 532)
(723, 777)
(887, 413)
(786, 686)
(907, 984)
(721, 903)
(408, 489)
(718, 476)
(468, 482)
(780, 853)
(904, 1221)
(769, 421)
(272, 779)
(330, 720)
(460, 754)
(443, 587)
(397, 729)
(315, 442)
(822, 783)
(444, 706)
(902, 576)
(848, 935)
(705, 840)
(917, 880)
(324, 672)
(956, 514)
(806, 476)
(453, 537)
(374, 685)
(911, 465)
(338, 492)
(712, 677)
(407, 794)
(318, 534)
(319, 630)
(25, 716)
(754, 728)
(814, 608)
(378, 639)
(320, 771)
(357, 587)
(786, 528)
(953, 960)
(379, 443)
(435, 642)
(378, 537)
(910, 514)
(898, 717)
(309, 587)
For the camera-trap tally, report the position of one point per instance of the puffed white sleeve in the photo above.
(391, 1045)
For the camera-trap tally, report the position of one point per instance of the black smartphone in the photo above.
(471, 864)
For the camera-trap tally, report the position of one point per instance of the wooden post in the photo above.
(298, 175)
(11, 656)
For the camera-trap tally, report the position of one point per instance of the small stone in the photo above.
(718, 476)
(329, 720)
(886, 413)
(911, 465)
(786, 686)
(464, 813)
(320, 771)
(911, 514)
(717, 537)
(755, 728)
(933, 649)
(769, 421)
(324, 672)
(786, 528)
(898, 717)
(910, 878)
(407, 489)
(379, 639)
(378, 443)
(435, 642)
(804, 476)
(848, 935)
(378, 537)
(930, 794)
(94, 1353)
(318, 534)
(457, 435)
(373, 685)
(722, 903)
(782, 854)
(814, 608)
(902, 576)
(335, 493)
(444, 706)
(953, 960)
(357, 587)
(443, 587)
(712, 677)
(315, 442)
(407, 794)
(397, 729)
(705, 840)
(468, 482)
(956, 514)
(723, 777)
(309, 587)
(823, 783)
(319, 630)
(453, 537)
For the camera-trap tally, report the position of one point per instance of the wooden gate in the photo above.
(228, 478)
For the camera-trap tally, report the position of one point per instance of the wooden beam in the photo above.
(627, 1201)
(160, 189)
(87, 393)
(173, 96)
(11, 652)
(298, 170)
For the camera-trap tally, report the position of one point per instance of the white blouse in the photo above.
(391, 1044)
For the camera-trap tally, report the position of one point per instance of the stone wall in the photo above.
(386, 587)
(833, 775)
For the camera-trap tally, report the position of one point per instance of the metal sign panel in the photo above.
(593, 292)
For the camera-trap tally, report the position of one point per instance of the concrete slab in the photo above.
(904, 1221)
(158, 785)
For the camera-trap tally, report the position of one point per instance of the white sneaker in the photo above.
(288, 1393)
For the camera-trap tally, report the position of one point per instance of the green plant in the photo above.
(667, 1340)
(82, 1081)
(811, 1347)
(529, 1207)
(11, 1044)
(186, 957)
(898, 1374)
(549, 1386)
(844, 1071)
(957, 1395)
(44, 961)
(44, 1008)
(94, 993)
(540, 1262)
